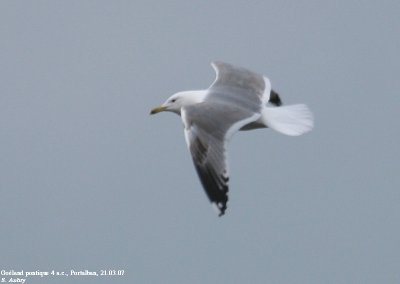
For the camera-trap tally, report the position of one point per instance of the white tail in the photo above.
(291, 120)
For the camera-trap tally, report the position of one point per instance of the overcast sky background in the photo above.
(89, 180)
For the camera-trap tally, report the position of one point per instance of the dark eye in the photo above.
(173, 100)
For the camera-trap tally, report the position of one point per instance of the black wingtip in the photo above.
(221, 211)
(222, 208)
(275, 99)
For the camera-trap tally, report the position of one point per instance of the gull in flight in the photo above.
(238, 99)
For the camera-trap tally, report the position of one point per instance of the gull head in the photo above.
(179, 100)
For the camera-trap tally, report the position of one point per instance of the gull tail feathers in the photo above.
(291, 120)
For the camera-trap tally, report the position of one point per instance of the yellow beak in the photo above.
(158, 109)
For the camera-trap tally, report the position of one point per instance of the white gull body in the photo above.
(238, 99)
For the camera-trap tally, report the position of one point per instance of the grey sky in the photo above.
(90, 181)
